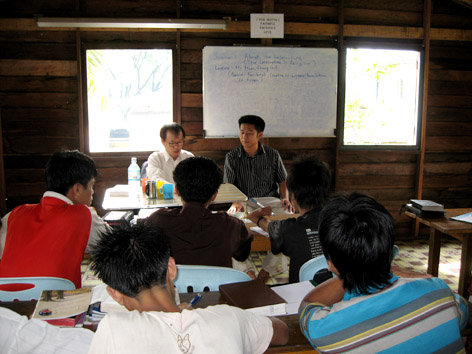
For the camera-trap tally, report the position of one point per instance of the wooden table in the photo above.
(297, 342)
(227, 193)
(459, 230)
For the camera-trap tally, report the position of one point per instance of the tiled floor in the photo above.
(413, 255)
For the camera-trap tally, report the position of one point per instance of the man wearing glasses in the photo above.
(161, 164)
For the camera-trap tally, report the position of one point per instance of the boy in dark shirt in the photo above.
(308, 184)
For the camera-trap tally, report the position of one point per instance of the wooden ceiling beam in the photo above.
(291, 28)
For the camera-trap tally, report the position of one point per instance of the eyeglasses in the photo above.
(178, 143)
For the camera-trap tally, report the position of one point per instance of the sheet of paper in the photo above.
(293, 294)
(464, 217)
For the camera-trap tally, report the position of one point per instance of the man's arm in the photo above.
(280, 336)
(285, 197)
(256, 214)
(97, 227)
(327, 293)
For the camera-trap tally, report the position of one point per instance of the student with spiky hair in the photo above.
(136, 265)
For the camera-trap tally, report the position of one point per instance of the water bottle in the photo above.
(134, 179)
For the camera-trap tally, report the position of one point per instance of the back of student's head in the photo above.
(66, 168)
(257, 121)
(174, 128)
(197, 179)
(131, 258)
(357, 234)
(308, 181)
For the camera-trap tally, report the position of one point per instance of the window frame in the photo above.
(386, 46)
(83, 67)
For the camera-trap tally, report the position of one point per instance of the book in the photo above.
(423, 213)
(63, 307)
(467, 217)
(427, 205)
(254, 296)
(294, 294)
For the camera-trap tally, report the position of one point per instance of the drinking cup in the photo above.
(168, 191)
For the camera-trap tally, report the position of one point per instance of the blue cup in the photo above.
(168, 191)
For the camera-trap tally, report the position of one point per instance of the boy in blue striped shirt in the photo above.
(367, 309)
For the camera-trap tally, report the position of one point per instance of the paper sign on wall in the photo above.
(267, 25)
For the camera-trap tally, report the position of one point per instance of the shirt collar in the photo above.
(260, 150)
(58, 196)
(168, 157)
(352, 294)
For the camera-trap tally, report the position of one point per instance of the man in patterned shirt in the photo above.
(257, 170)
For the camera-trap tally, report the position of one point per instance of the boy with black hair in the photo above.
(136, 265)
(367, 309)
(308, 184)
(161, 164)
(49, 238)
(196, 234)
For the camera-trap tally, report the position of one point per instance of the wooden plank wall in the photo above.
(39, 89)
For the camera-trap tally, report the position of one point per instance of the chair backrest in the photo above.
(29, 288)
(144, 169)
(203, 278)
(309, 268)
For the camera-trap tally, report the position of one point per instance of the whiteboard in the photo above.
(293, 89)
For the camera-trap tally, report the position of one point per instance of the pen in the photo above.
(193, 301)
(259, 204)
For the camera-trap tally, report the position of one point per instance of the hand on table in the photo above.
(256, 214)
(236, 207)
(285, 203)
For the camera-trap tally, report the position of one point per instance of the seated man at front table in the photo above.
(196, 234)
(367, 309)
(49, 238)
(136, 265)
(257, 170)
(161, 164)
(308, 183)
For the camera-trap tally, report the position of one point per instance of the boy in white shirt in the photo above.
(136, 265)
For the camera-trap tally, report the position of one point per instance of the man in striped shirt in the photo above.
(367, 309)
(257, 170)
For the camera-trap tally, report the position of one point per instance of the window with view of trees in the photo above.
(381, 97)
(129, 97)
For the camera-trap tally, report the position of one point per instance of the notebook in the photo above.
(254, 296)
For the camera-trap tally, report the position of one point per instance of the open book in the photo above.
(254, 296)
(63, 307)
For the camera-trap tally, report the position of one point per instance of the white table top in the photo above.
(117, 198)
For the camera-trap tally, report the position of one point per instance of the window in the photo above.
(381, 97)
(129, 98)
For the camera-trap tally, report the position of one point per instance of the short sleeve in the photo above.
(102, 340)
(257, 330)
(229, 174)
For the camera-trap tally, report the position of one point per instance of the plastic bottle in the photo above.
(134, 179)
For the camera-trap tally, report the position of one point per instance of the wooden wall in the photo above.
(41, 108)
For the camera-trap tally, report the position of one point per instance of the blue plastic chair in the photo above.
(33, 293)
(195, 278)
(309, 268)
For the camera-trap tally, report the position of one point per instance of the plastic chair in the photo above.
(309, 268)
(194, 278)
(28, 288)
(144, 169)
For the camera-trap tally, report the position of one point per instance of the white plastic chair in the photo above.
(195, 278)
(38, 285)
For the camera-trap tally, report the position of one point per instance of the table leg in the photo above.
(434, 252)
(466, 263)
